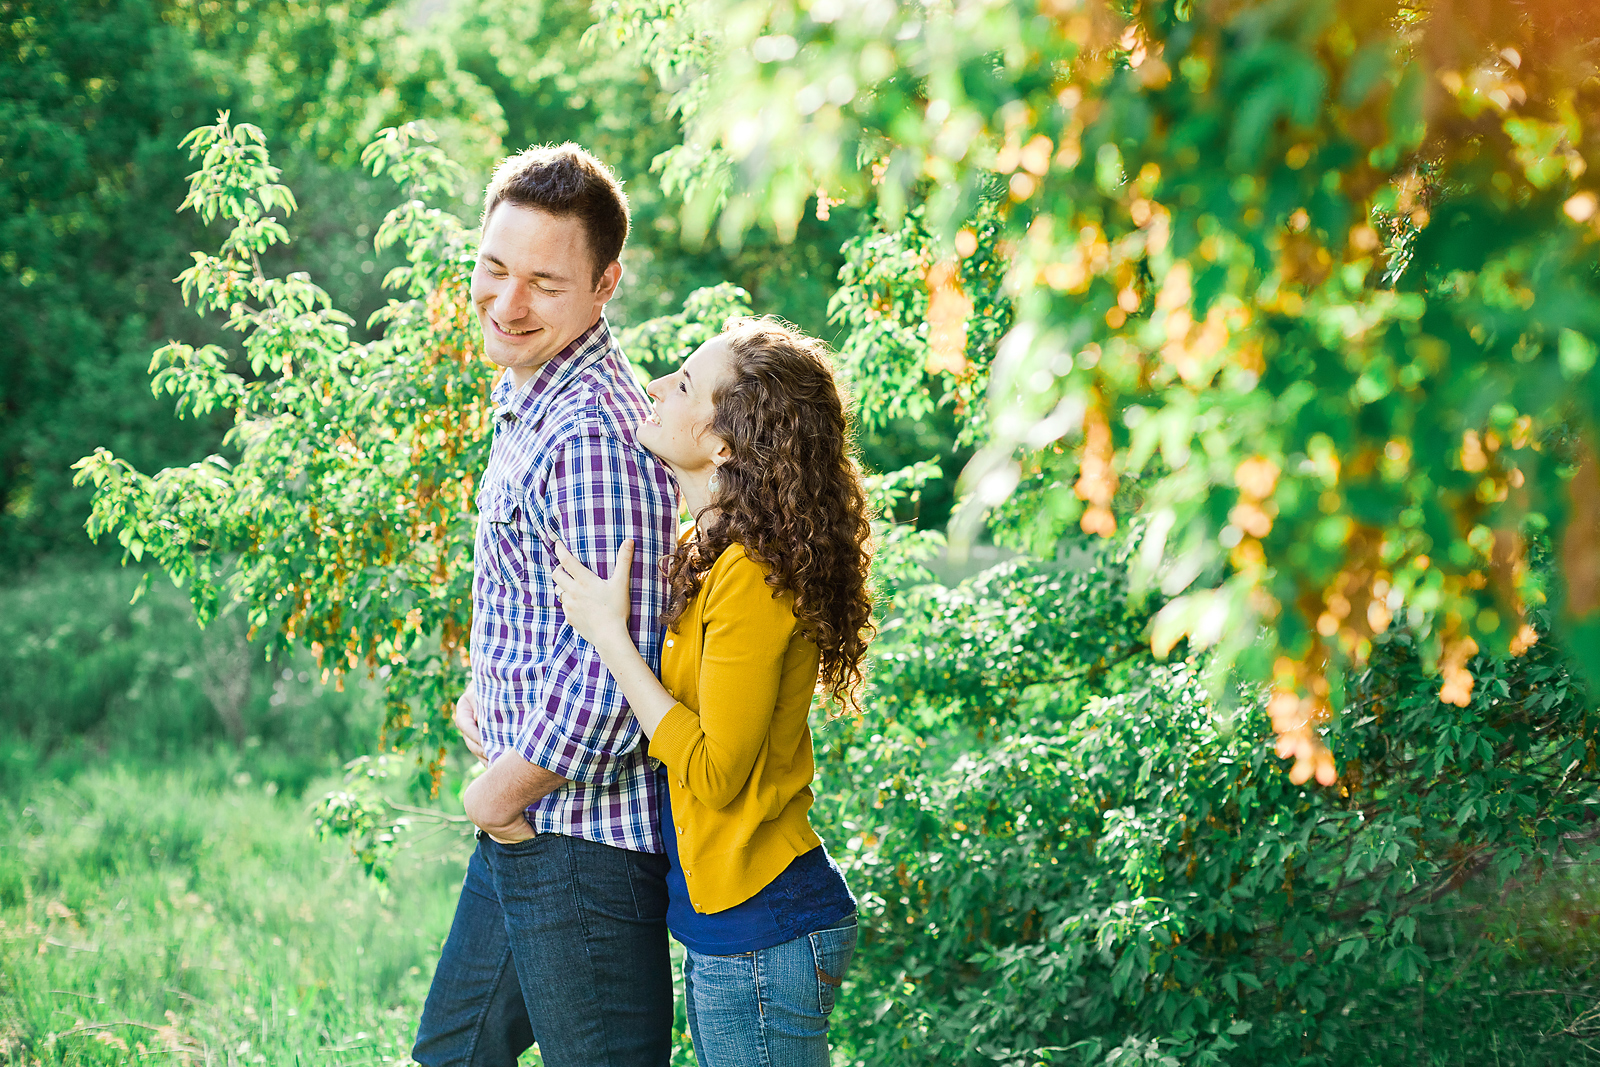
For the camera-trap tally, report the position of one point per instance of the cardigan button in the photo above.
(669, 642)
(680, 831)
(688, 874)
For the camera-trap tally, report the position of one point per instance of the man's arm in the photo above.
(497, 799)
(496, 802)
(596, 496)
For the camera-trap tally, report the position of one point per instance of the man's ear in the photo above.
(610, 278)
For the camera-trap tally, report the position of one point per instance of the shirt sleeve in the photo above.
(595, 496)
(747, 633)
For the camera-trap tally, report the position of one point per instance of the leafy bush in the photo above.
(1069, 853)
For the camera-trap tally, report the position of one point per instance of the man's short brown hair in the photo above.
(565, 180)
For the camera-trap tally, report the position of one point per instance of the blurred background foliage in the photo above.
(1069, 849)
(93, 97)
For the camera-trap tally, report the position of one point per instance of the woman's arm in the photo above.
(599, 608)
(747, 631)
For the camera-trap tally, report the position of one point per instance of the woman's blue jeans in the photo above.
(558, 940)
(770, 1007)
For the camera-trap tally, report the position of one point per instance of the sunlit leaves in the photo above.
(1345, 237)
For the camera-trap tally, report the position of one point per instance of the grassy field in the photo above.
(164, 913)
(162, 899)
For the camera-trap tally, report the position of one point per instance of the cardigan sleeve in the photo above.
(747, 633)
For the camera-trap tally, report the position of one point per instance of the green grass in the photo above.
(162, 898)
(162, 912)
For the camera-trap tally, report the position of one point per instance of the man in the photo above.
(560, 933)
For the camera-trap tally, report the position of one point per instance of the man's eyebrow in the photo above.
(492, 258)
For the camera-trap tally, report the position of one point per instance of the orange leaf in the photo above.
(948, 309)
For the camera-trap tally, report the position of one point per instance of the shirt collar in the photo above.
(585, 350)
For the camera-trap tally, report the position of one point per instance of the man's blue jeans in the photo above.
(560, 941)
(770, 1007)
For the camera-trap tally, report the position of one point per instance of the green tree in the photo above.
(1310, 286)
(1070, 850)
(559, 75)
(92, 98)
(342, 522)
(87, 101)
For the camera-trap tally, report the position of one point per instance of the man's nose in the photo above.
(512, 301)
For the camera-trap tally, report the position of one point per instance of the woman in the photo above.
(768, 591)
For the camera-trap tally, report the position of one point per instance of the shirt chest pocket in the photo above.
(506, 550)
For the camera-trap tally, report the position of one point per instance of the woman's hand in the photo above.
(598, 608)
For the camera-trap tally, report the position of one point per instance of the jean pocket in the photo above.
(831, 950)
(527, 844)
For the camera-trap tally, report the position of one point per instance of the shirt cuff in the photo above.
(675, 735)
(544, 744)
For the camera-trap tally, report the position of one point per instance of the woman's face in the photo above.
(678, 431)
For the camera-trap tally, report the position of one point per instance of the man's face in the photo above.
(534, 287)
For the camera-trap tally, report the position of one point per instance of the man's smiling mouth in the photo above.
(508, 331)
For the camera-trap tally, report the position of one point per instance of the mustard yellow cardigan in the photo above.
(736, 745)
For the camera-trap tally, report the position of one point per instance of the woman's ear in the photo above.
(722, 455)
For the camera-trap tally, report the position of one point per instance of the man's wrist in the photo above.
(516, 829)
(499, 824)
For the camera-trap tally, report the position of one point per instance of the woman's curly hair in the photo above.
(791, 494)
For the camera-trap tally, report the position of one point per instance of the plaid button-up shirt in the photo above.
(565, 465)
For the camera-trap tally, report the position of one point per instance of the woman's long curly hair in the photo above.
(791, 494)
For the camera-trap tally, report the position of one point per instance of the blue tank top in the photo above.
(809, 895)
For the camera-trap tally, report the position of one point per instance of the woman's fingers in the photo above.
(570, 563)
(565, 555)
(572, 569)
(622, 567)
